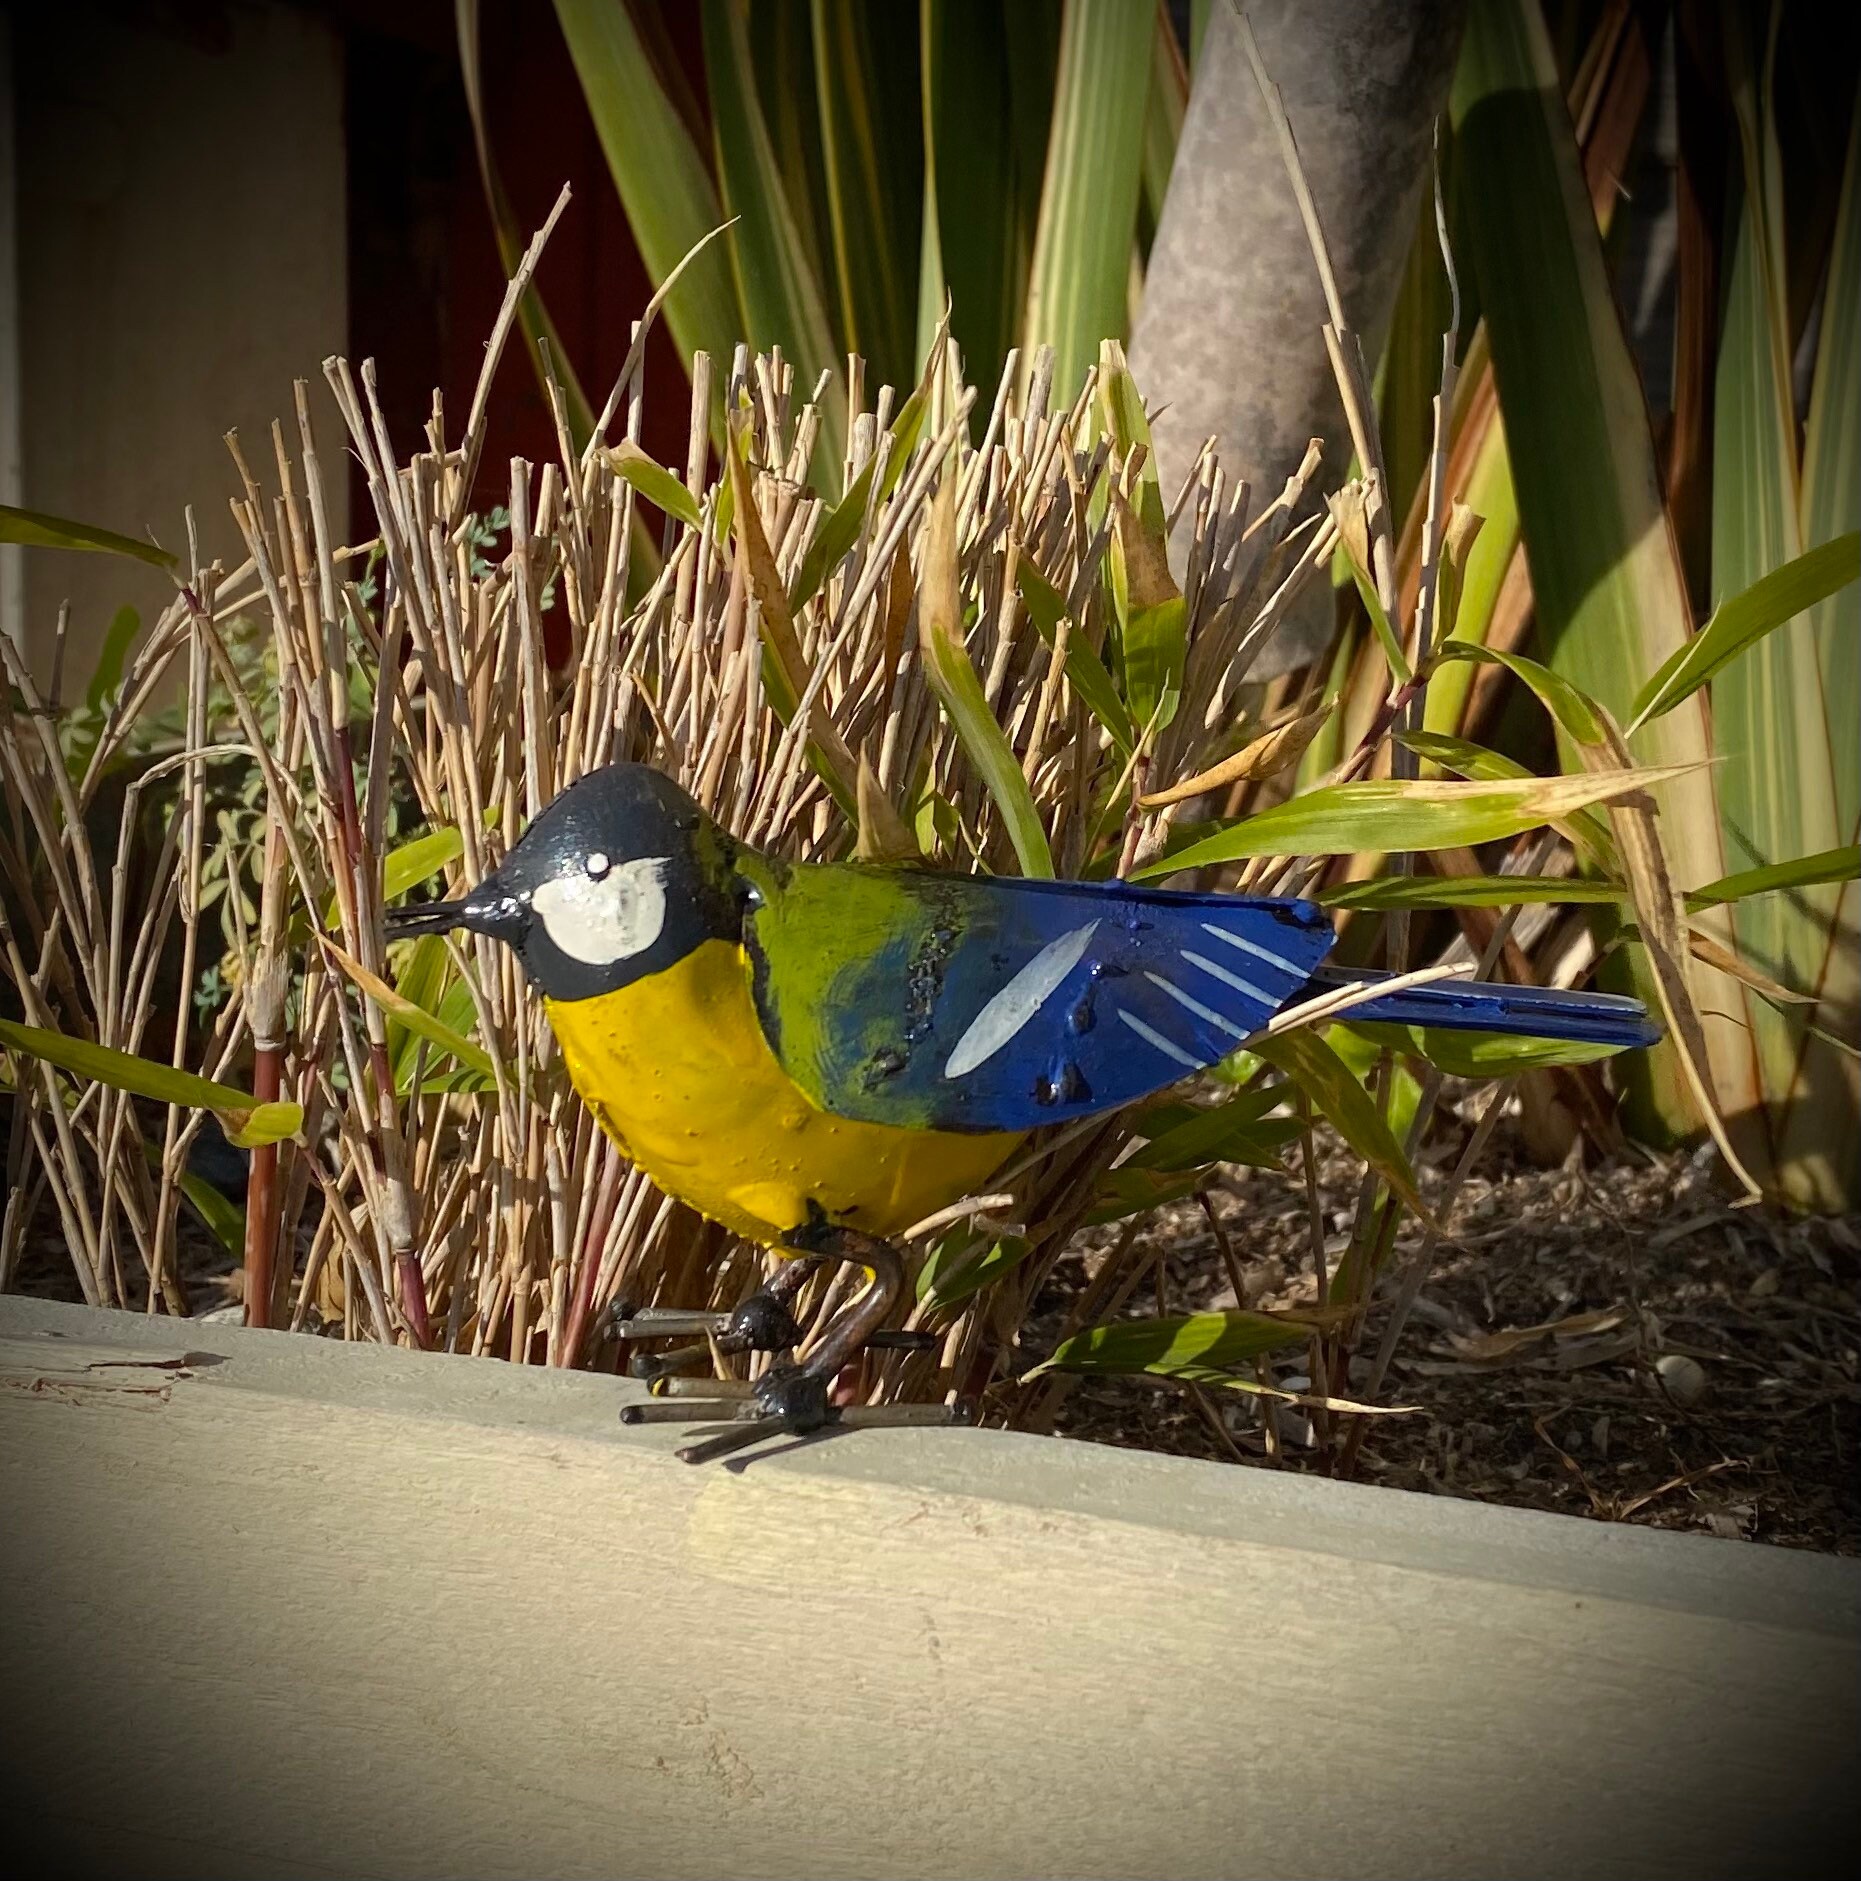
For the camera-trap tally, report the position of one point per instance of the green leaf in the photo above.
(783, 59)
(907, 429)
(960, 1265)
(1121, 406)
(1610, 602)
(1409, 373)
(1831, 865)
(1482, 575)
(409, 864)
(971, 192)
(426, 979)
(1238, 1131)
(664, 184)
(1609, 599)
(1163, 119)
(654, 482)
(1384, 816)
(112, 657)
(1331, 1084)
(873, 158)
(1079, 283)
(1462, 756)
(1467, 891)
(1573, 710)
(222, 1217)
(84, 729)
(837, 534)
(1830, 500)
(1360, 1058)
(424, 1024)
(937, 826)
(1085, 671)
(781, 292)
(1152, 619)
(1478, 1054)
(1772, 601)
(1791, 766)
(1587, 830)
(1167, 1348)
(1348, 512)
(987, 93)
(247, 1122)
(1153, 622)
(1126, 1191)
(36, 530)
(953, 678)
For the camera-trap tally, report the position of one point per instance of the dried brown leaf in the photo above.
(1266, 756)
(1660, 910)
(883, 835)
(1486, 1348)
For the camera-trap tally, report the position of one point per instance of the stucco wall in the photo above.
(178, 196)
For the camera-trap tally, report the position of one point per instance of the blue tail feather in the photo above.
(1521, 1011)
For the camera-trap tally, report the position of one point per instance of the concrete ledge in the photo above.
(275, 1605)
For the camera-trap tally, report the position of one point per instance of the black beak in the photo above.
(429, 917)
(487, 910)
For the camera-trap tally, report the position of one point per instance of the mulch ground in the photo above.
(1613, 1342)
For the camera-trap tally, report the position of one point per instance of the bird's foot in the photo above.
(789, 1400)
(760, 1323)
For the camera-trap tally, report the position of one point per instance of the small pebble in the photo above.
(1682, 1378)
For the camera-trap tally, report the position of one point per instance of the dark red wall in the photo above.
(425, 280)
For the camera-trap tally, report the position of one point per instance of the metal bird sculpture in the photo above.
(820, 1055)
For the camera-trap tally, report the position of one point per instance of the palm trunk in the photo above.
(1228, 340)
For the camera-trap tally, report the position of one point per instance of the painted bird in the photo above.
(820, 1055)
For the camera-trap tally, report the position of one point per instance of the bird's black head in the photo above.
(619, 877)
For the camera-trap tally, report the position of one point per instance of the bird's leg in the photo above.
(761, 1323)
(797, 1394)
(796, 1398)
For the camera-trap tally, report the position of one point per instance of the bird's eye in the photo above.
(597, 865)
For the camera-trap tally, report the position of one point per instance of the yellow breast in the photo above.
(677, 1071)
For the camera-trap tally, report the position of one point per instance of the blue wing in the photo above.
(994, 1003)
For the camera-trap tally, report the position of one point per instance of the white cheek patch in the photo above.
(613, 919)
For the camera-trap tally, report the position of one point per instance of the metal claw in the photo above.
(673, 1387)
(904, 1416)
(902, 1341)
(728, 1440)
(652, 1365)
(750, 1423)
(687, 1411)
(667, 1322)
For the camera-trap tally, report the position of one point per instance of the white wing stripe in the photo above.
(1205, 1013)
(1259, 953)
(1271, 1001)
(1018, 1001)
(1160, 1042)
